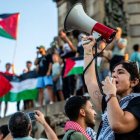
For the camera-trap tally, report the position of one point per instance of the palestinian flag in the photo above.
(8, 25)
(73, 66)
(5, 85)
(23, 87)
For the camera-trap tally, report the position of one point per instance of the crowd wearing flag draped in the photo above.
(64, 64)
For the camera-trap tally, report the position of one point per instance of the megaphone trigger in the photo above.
(96, 35)
(85, 39)
(85, 42)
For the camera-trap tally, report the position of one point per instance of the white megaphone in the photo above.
(77, 19)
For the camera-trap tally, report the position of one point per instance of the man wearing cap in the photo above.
(44, 70)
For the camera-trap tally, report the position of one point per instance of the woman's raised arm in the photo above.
(90, 74)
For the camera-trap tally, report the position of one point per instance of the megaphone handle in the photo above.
(99, 39)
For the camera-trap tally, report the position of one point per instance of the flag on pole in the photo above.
(23, 88)
(8, 25)
(73, 66)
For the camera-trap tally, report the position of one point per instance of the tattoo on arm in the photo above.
(97, 99)
(97, 94)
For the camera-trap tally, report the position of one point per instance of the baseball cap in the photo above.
(41, 46)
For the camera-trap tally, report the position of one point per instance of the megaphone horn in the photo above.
(77, 19)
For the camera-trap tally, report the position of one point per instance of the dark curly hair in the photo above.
(133, 69)
(73, 106)
(19, 125)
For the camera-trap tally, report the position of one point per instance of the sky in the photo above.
(37, 26)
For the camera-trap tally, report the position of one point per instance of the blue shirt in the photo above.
(135, 57)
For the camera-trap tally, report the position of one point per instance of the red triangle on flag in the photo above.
(10, 24)
(5, 86)
(68, 66)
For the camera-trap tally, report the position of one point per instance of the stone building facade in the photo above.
(133, 11)
(96, 10)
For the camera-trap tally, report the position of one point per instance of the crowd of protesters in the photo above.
(50, 67)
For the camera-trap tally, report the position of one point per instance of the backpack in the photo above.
(69, 135)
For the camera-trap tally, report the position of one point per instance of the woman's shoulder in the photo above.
(134, 107)
(135, 100)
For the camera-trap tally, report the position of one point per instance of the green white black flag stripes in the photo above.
(22, 90)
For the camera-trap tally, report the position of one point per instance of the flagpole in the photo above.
(14, 52)
(13, 59)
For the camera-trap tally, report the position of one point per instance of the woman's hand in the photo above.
(109, 86)
(88, 43)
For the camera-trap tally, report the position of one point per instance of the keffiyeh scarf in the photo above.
(71, 125)
(106, 133)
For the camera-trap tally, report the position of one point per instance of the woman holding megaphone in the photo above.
(121, 117)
